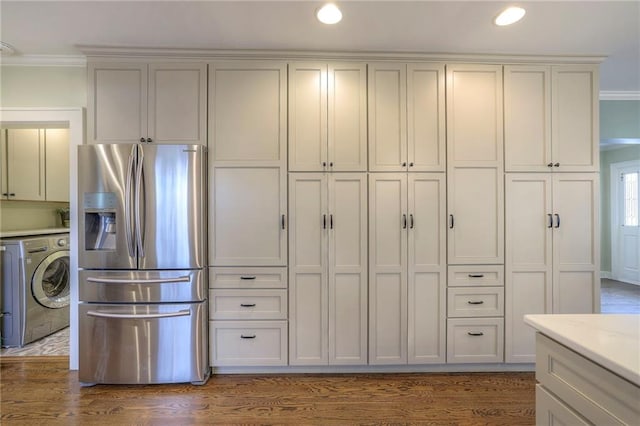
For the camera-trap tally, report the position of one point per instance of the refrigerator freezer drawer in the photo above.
(143, 344)
(143, 286)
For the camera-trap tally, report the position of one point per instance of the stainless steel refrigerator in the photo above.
(142, 257)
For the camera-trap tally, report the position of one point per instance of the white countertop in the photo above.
(28, 232)
(611, 340)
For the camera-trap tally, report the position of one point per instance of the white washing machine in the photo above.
(36, 279)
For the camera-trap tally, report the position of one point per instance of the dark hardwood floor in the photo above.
(34, 391)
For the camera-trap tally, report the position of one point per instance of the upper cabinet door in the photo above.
(3, 164)
(247, 113)
(575, 118)
(387, 106)
(117, 102)
(178, 103)
(474, 115)
(527, 118)
(308, 117)
(57, 164)
(426, 136)
(347, 117)
(25, 164)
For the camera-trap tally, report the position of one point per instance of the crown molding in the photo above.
(44, 60)
(145, 52)
(619, 95)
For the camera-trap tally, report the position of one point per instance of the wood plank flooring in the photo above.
(36, 390)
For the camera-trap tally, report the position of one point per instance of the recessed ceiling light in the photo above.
(329, 14)
(509, 16)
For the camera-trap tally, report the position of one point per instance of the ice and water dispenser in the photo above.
(100, 218)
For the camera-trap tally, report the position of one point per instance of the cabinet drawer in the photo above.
(248, 343)
(241, 304)
(465, 302)
(474, 275)
(597, 394)
(475, 340)
(248, 278)
(551, 411)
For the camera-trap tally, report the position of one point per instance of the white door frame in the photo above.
(73, 118)
(616, 169)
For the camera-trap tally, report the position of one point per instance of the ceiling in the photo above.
(610, 28)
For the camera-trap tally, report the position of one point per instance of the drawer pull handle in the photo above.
(247, 305)
(476, 275)
(242, 336)
(245, 277)
(480, 302)
(471, 333)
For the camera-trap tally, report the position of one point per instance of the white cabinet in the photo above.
(327, 117)
(23, 176)
(247, 164)
(328, 268)
(552, 252)
(551, 118)
(407, 307)
(133, 102)
(406, 117)
(475, 164)
(57, 164)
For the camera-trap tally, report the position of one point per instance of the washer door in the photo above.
(51, 283)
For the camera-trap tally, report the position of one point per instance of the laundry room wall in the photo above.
(38, 86)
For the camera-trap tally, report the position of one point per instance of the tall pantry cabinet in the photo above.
(248, 212)
(407, 241)
(552, 245)
(328, 214)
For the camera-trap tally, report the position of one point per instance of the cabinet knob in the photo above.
(142, 140)
(404, 164)
(331, 164)
(149, 140)
(550, 165)
(12, 194)
(410, 164)
(324, 164)
(556, 165)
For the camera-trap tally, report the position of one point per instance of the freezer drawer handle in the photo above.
(184, 279)
(184, 313)
(471, 333)
(480, 302)
(248, 305)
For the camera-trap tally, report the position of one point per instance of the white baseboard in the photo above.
(605, 274)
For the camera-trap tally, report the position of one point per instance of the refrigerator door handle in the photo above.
(127, 203)
(183, 313)
(184, 279)
(138, 190)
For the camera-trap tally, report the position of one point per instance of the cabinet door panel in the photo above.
(117, 102)
(426, 117)
(348, 268)
(25, 164)
(527, 118)
(241, 234)
(576, 256)
(57, 164)
(474, 115)
(307, 116)
(247, 112)
(575, 118)
(387, 269)
(308, 332)
(427, 315)
(528, 259)
(387, 117)
(475, 200)
(178, 103)
(3, 163)
(347, 120)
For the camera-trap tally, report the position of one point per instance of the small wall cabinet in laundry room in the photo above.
(407, 268)
(23, 164)
(328, 268)
(406, 107)
(327, 116)
(133, 102)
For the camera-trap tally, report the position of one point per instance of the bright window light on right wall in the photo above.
(509, 16)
